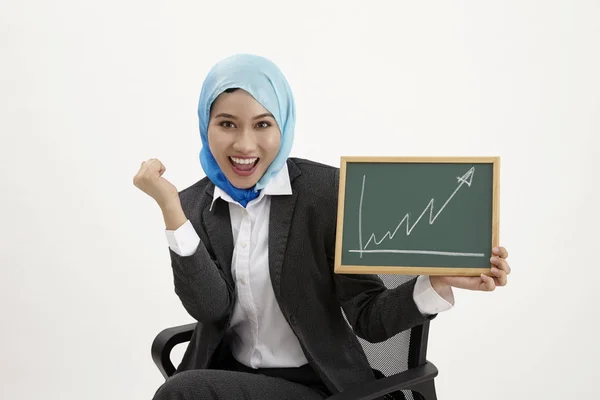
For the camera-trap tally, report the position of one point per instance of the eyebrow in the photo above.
(225, 115)
(264, 115)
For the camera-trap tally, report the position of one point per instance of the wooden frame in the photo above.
(410, 270)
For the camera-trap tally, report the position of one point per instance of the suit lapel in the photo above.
(280, 221)
(218, 229)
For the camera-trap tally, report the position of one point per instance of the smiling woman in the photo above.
(270, 315)
(243, 137)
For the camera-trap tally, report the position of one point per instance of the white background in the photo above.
(88, 90)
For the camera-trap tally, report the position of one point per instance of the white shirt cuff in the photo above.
(428, 301)
(184, 241)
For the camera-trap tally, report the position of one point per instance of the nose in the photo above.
(245, 142)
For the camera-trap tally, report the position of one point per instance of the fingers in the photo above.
(155, 166)
(501, 264)
(148, 171)
(500, 275)
(500, 251)
(488, 283)
(500, 269)
(151, 165)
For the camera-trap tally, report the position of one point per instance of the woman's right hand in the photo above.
(150, 181)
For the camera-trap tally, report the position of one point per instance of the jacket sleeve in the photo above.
(375, 312)
(200, 285)
(199, 280)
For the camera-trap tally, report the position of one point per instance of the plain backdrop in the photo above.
(88, 90)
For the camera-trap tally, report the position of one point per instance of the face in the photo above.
(243, 137)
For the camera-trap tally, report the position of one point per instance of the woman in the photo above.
(252, 250)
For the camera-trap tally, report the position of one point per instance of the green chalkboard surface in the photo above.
(409, 215)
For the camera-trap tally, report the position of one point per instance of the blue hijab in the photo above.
(265, 82)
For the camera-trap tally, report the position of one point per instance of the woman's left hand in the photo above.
(499, 276)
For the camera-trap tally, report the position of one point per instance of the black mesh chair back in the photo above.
(392, 356)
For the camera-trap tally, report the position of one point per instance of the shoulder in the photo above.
(317, 186)
(311, 165)
(319, 180)
(195, 195)
(314, 174)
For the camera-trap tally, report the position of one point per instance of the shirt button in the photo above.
(244, 244)
(292, 320)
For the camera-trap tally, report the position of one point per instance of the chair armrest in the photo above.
(411, 379)
(164, 343)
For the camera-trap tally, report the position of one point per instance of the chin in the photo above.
(244, 187)
(245, 182)
(242, 183)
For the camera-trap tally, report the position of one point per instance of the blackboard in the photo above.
(417, 215)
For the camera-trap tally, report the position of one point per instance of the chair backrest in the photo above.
(404, 350)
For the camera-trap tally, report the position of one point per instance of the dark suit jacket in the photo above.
(302, 231)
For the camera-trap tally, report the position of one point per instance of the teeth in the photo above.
(244, 160)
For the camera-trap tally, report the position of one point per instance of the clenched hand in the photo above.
(149, 179)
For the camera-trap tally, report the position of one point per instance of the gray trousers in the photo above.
(212, 384)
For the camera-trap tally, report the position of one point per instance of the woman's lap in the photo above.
(213, 384)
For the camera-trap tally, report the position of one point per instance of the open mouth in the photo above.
(244, 166)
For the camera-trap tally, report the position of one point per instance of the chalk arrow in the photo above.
(468, 177)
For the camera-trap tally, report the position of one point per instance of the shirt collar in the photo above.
(279, 185)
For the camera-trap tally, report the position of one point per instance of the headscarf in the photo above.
(265, 82)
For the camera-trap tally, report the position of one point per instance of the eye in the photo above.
(227, 124)
(263, 125)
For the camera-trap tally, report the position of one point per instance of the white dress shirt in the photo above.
(262, 338)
